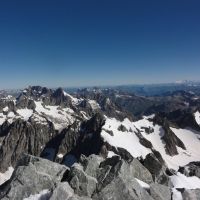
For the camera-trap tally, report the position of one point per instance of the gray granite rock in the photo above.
(120, 189)
(140, 172)
(31, 176)
(82, 183)
(160, 192)
(191, 194)
(63, 191)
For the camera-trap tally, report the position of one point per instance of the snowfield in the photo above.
(182, 181)
(25, 113)
(60, 117)
(130, 141)
(127, 140)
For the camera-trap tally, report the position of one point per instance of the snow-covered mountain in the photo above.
(161, 133)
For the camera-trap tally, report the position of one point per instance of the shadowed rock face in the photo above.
(90, 141)
(170, 139)
(191, 169)
(179, 118)
(37, 139)
(23, 137)
(9, 104)
(157, 167)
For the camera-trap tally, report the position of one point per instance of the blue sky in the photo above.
(91, 42)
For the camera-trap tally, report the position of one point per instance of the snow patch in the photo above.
(143, 184)
(182, 181)
(10, 115)
(61, 118)
(74, 100)
(5, 109)
(25, 113)
(94, 104)
(44, 195)
(111, 154)
(176, 195)
(197, 117)
(6, 175)
(60, 155)
(2, 118)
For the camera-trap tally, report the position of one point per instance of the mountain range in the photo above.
(100, 143)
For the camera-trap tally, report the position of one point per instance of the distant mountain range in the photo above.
(139, 89)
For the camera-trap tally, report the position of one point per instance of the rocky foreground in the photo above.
(92, 178)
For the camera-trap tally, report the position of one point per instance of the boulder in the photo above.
(121, 189)
(116, 181)
(63, 191)
(155, 164)
(31, 176)
(191, 194)
(140, 172)
(160, 192)
(91, 164)
(83, 184)
(123, 153)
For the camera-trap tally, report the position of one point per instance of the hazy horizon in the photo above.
(181, 82)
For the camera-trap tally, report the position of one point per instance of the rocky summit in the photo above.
(99, 143)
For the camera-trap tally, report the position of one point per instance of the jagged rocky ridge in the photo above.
(60, 127)
(92, 177)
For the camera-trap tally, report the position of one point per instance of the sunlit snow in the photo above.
(130, 141)
(197, 117)
(6, 175)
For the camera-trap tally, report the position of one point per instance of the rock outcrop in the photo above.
(92, 178)
(191, 169)
(31, 176)
(23, 137)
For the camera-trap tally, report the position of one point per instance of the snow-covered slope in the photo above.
(61, 117)
(126, 139)
(130, 141)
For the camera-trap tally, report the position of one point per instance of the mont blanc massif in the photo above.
(100, 143)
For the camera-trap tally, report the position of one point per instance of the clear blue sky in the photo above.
(98, 42)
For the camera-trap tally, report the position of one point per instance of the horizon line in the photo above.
(106, 86)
